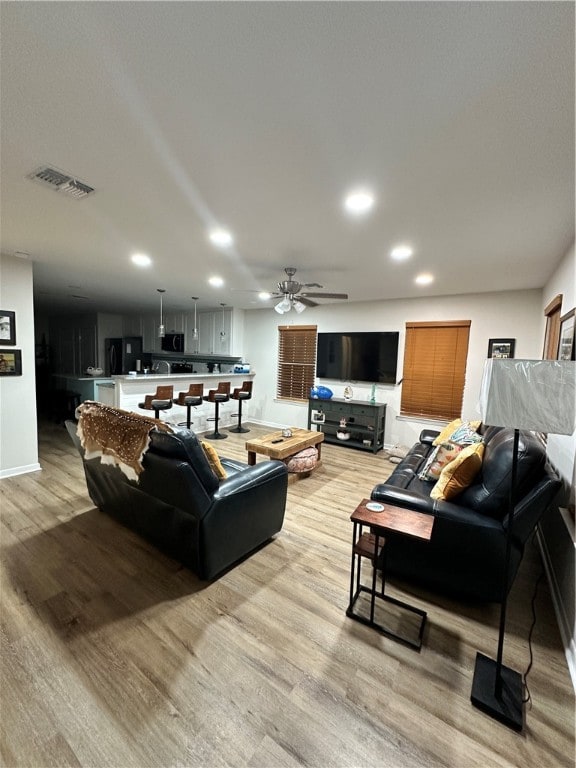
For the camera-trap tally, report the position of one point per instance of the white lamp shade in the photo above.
(537, 395)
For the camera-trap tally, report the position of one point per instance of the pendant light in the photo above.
(195, 329)
(223, 332)
(161, 329)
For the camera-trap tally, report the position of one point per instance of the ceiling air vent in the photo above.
(61, 182)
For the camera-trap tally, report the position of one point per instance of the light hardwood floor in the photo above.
(114, 655)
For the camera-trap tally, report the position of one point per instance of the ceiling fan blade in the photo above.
(304, 300)
(312, 285)
(326, 295)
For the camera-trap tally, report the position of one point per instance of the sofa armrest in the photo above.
(402, 497)
(247, 510)
(442, 510)
(428, 436)
(251, 478)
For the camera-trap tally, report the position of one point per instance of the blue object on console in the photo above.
(321, 393)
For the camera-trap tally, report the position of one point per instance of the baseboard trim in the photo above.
(5, 473)
(565, 630)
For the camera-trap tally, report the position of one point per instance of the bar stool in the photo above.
(217, 396)
(160, 401)
(241, 393)
(190, 399)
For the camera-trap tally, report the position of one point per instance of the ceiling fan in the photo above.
(294, 298)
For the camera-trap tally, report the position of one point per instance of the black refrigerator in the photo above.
(122, 354)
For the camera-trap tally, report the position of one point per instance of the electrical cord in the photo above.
(528, 698)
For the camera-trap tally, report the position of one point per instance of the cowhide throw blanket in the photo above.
(117, 437)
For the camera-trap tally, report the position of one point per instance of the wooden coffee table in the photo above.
(390, 520)
(277, 447)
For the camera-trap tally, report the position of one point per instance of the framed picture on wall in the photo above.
(7, 328)
(501, 347)
(10, 362)
(566, 341)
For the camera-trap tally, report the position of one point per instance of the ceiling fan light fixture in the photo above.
(299, 306)
(283, 306)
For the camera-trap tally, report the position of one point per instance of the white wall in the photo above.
(514, 315)
(18, 429)
(556, 537)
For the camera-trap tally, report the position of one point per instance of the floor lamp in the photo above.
(535, 395)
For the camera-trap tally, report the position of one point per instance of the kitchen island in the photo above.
(127, 391)
(86, 386)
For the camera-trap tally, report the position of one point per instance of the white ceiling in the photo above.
(259, 116)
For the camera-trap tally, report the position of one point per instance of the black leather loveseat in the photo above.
(466, 554)
(179, 504)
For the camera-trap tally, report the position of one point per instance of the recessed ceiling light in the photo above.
(424, 279)
(216, 282)
(359, 202)
(141, 260)
(264, 295)
(401, 252)
(221, 237)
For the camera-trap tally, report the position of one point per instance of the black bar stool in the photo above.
(241, 393)
(190, 399)
(160, 401)
(217, 396)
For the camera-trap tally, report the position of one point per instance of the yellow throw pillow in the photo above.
(449, 430)
(459, 474)
(214, 460)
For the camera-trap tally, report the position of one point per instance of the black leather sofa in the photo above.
(466, 555)
(180, 506)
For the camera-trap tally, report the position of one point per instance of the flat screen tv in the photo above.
(358, 356)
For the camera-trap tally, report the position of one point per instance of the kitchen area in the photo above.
(117, 360)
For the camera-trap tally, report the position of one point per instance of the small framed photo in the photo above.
(10, 362)
(7, 328)
(566, 341)
(501, 347)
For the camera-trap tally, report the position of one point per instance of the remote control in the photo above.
(280, 440)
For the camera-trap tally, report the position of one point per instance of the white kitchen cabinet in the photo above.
(215, 330)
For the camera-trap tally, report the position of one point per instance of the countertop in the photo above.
(82, 378)
(146, 376)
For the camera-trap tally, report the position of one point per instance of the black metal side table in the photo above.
(383, 519)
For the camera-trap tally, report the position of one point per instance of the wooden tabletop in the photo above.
(301, 438)
(395, 519)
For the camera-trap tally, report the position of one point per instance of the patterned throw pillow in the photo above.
(466, 434)
(459, 474)
(447, 431)
(454, 427)
(214, 460)
(438, 459)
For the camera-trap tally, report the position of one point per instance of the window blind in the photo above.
(435, 369)
(296, 361)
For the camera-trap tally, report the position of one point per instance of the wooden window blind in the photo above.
(296, 361)
(435, 369)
